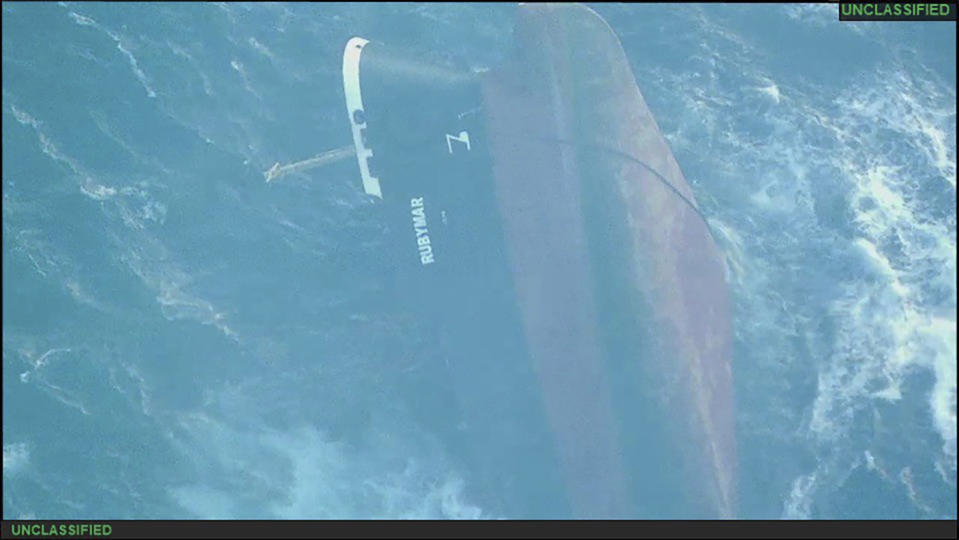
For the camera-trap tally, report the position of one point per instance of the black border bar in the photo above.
(507, 528)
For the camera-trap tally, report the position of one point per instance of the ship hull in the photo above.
(543, 232)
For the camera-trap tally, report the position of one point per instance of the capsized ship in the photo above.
(542, 228)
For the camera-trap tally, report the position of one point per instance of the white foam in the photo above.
(308, 476)
(141, 76)
(181, 52)
(797, 504)
(16, 456)
(64, 396)
(239, 68)
(46, 144)
(205, 502)
(824, 14)
(881, 265)
(907, 480)
(135, 207)
(941, 335)
(818, 14)
(83, 20)
(133, 377)
(261, 48)
(892, 324)
(169, 283)
(325, 471)
(887, 142)
(38, 376)
(97, 191)
(736, 264)
(44, 358)
(772, 91)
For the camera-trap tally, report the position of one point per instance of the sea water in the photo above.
(181, 339)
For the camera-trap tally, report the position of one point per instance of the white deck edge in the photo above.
(354, 102)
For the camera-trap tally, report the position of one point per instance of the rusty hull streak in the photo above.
(574, 79)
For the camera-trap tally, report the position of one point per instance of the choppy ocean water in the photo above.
(182, 340)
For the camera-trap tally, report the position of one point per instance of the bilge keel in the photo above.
(541, 225)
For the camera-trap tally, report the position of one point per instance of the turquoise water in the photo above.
(182, 340)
